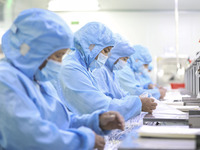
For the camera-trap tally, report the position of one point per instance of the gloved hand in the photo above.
(148, 104)
(111, 120)
(99, 142)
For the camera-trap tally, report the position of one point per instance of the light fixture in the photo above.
(73, 5)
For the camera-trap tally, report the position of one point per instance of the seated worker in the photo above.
(143, 55)
(31, 115)
(79, 90)
(108, 84)
(145, 75)
(145, 79)
(129, 76)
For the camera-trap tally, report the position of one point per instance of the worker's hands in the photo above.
(99, 142)
(108, 121)
(151, 86)
(162, 92)
(148, 104)
(111, 120)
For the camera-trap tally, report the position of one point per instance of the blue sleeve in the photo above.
(147, 81)
(88, 120)
(130, 106)
(154, 92)
(82, 96)
(23, 127)
(127, 81)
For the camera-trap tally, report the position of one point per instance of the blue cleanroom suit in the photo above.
(31, 115)
(80, 91)
(129, 76)
(107, 83)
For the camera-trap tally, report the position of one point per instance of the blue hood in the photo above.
(93, 33)
(122, 49)
(33, 37)
(141, 53)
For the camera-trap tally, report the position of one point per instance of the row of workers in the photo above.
(45, 103)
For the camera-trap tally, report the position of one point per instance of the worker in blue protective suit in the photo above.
(143, 55)
(31, 114)
(129, 77)
(145, 79)
(105, 77)
(79, 90)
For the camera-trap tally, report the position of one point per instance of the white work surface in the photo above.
(131, 138)
(175, 95)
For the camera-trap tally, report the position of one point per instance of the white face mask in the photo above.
(145, 71)
(49, 72)
(101, 60)
(120, 65)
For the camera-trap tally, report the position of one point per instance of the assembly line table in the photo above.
(134, 143)
(163, 115)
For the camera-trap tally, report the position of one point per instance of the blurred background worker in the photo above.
(143, 54)
(143, 59)
(108, 84)
(130, 78)
(29, 106)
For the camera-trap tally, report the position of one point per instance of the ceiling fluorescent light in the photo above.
(73, 5)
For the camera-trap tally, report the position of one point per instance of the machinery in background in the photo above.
(192, 75)
(167, 72)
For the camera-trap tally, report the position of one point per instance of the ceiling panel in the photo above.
(144, 5)
(112, 5)
(192, 5)
(125, 5)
